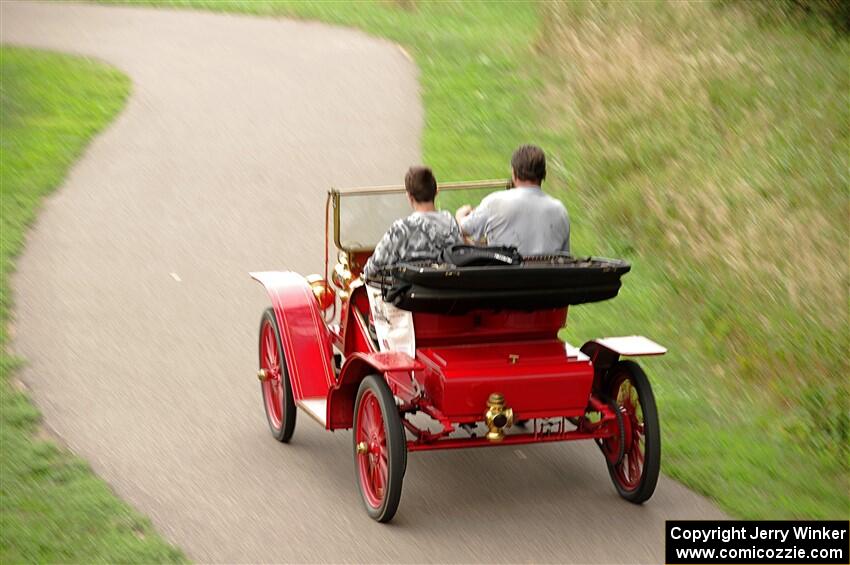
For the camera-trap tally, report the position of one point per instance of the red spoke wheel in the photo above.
(635, 473)
(277, 390)
(379, 448)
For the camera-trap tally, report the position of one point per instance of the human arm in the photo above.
(473, 224)
(386, 252)
(463, 212)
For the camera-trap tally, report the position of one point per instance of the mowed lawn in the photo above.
(705, 142)
(53, 509)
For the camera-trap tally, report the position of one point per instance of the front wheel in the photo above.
(635, 473)
(379, 448)
(275, 385)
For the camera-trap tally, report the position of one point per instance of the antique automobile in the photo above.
(489, 368)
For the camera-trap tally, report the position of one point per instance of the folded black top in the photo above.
(502, 282)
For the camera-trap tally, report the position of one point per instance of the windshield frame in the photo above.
(335, 197)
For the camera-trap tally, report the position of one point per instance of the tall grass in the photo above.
(710, 145)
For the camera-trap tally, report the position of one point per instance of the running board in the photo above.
(316, 408)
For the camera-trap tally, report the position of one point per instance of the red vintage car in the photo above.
(489, 367)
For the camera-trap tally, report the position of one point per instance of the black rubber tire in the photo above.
(287, 428)
(652, 432)
(396, 448)
(404, 440)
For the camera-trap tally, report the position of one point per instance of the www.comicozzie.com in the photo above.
(757, 542)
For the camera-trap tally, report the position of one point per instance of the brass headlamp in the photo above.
(498, 417)
(325, 295)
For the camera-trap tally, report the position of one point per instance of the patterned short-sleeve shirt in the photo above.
(419, 236)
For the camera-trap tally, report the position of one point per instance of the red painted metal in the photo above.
(373, 469)
(273, 385)
(390, 361)
(603, 426)
(518, 439)
(485, 326)
(355, 313)
(304, 335)
(537, 378)
(395, 367)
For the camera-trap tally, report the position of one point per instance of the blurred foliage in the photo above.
(835, 13)
(711, 147)
(52, 507)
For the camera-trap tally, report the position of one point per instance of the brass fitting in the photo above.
(323, 293)
(263, 375)
(361, 448)
(497, 417)
(341, 275)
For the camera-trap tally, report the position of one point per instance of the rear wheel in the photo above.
(275, 385)
(635, 472)
(379, 448)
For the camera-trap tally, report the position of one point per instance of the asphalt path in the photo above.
(139, 323)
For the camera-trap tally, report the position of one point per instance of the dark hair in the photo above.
(420, 184)
(529, 163)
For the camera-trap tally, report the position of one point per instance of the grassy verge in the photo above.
(711, 146)
(707, 144)
(52, 507)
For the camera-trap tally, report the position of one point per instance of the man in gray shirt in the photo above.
(524, 217)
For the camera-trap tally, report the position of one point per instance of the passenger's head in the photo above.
(420, 184)
(529, 165)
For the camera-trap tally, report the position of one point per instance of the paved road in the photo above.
(139, 321)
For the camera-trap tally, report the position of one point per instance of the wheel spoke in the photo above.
(271, 356)
(638, 453)
(373, 472)
(378, 418)
(279, 391)
(634, 471)
(368, 424)
(380, 480)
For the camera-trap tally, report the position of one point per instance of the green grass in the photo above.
(711, 147)
(706, 143)
(52, 507)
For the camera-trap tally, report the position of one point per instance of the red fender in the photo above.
(604, 352)
(395, 367)
(306, 340)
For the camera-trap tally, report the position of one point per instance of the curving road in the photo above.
(138, 319)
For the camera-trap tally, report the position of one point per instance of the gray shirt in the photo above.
(421, 235)
(524, 217)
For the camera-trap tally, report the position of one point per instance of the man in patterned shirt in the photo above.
(420, 236)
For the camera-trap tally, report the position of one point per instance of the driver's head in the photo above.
(529, 165)
(420, 184)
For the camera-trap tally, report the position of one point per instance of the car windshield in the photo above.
(361, 216)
